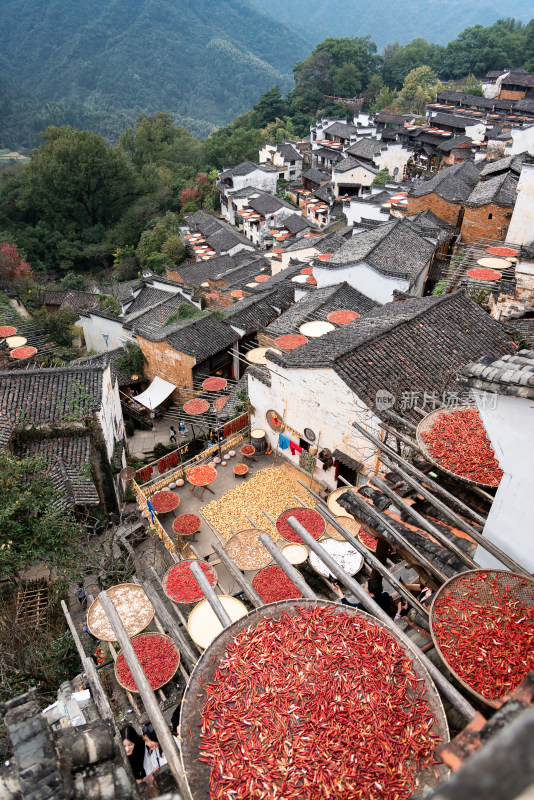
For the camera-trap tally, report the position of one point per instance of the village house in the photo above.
(370, 207)
(488, 209)
(285, 157)
(350, 176)
(392, 156)
(512, 298)
(521, 228)
(219, 236)
(72, 417)
(391, 257)
(186, 351)
(509, 84)
(335, 130)
(404, 355)
(445, 193)
(456, 151)
(311, 245)
(264, 212)
(245, 174)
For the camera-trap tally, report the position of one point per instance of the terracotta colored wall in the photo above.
(476, 223)
(509, 94)
(167, 363)
(441, 208)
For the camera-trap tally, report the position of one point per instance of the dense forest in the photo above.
(107, 61)
(104, 209)
(437, 20)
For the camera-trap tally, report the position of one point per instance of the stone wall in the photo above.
(168, 363)
(449, 212)
(488, 222)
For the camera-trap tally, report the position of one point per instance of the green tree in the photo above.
(74, 282)
(131, 361)
(33, 528)
(382, 178)
(174, 248)
(58, 327)
(269, 107)
(76, 182)
(419, 89)
(347, 80)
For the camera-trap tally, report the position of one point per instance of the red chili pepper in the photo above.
(485, 631)
(182, 586)
(458, 442)
(201, 475)
(157, 655)
(316, 706)
(308, 518)
(272, 584)
(163, 502)
(186, 524)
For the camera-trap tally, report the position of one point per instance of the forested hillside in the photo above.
(204, 61)
(386, 21)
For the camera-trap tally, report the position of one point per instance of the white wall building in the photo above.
(503, 390)
(521, 229)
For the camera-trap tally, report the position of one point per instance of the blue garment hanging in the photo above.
(283, 442)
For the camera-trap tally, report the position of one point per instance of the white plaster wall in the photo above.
(509, 422)
(476, 132)
(356, 210)
(316, 399)
(521, 230)
(300, 255)
(394, 158)
(522, 141)
(363, 278)
(357, 175)
(94, 330)
(110, 415)
(259, 179)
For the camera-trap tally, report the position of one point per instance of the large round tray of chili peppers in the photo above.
(456, 442)
(272, 584)
(181, 586)
(309, 699)
(308, 518)
(158, 656)
(482, 623)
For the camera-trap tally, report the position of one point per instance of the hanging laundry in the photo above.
(283, 442)
(295, 448)
(306, 461)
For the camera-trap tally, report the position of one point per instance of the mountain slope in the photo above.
(385, 21)
(206, 59)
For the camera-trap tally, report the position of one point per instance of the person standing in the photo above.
(172, 435)
(81, 596)
(181, 427)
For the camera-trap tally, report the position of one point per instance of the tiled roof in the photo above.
(102, 360)
(147, 297)
(71, 299)
(258, 310)
(415, 345)
(526, 104)
(394, 248)
(465, 99)
(74, 451)
(244, 273)
(318, 304)
(513, 163)
(342, 130)
(518, 78)
(294, 223)
(244, 168)
(316, 175)
(453, 121)
(50, 395)
(509, 375)
(121, 291)
(6, 429)
(500, 190)
(328, 243)
(199, 271)
(346, 164)
(327, 153)
(376, 199)
(456, 141)
(366, 148)
(199, 338)
(288, 152)
(452, 183)
(154, 318)
(324, 193)
(220, 235)
(386, 117)
(267, 204)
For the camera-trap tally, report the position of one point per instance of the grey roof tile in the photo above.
(50, 395)
(511, 375)
(500, 190)
(452, 183)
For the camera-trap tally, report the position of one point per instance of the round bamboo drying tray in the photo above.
(198, 772)
(524, 593)
(203, 626)
(211, 574)
(425, 426)
(295, 553)
(343, 553)
(246, 550)
(158, 685)
(133, 606)
(350, 525)
(333, 505)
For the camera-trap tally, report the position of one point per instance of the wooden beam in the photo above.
(170, 624)
(293, 574)
(237, 575)
(148, 697)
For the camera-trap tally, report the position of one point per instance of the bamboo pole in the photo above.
(421, 476)
(148, 697)
(424, 523)
(288, 568)
(170, 624)
(177, 611)
(216, 605)
(458, 521)
(452, 694)
(237, 575)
